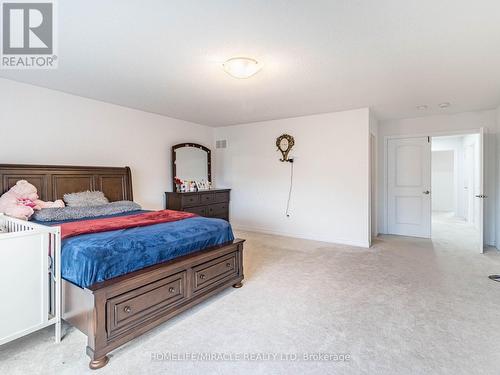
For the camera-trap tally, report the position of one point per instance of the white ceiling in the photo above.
(320, 56)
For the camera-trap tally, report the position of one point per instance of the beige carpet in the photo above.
(449, 230)
(406, 306)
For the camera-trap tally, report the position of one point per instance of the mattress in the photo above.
(91, 258)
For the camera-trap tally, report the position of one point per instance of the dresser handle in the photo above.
(127, 309)
(228, 264)
(171, 290)
(202, 276)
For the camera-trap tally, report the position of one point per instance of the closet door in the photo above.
(409, 187)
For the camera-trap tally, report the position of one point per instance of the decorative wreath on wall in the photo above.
(285, 143)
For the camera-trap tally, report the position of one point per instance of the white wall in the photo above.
(41, 126)
(442, 125)
(330, 200)
(455, 144)
(443, 181)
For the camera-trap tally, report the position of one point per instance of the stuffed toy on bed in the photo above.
(22, 200)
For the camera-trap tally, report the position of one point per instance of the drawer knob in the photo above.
(228, 264)
(127, 309)
(171, 290)
(202, 276)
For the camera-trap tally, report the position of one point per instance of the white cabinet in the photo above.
(30, 281)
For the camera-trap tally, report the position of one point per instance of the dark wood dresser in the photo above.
(208, 203)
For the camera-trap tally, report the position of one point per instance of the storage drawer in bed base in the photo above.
(116, 311)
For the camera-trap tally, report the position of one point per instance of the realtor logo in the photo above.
(28, 38)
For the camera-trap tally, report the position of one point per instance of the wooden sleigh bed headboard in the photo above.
(115, 311)
(53, 181)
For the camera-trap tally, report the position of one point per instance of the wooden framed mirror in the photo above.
(191, 161)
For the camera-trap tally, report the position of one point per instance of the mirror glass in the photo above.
(284, 144)
(191, 164)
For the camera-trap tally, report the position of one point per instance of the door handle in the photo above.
(481, 196)
(427, 192)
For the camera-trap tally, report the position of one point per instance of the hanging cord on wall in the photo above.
(287, 212)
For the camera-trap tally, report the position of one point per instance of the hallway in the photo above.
(449, 230)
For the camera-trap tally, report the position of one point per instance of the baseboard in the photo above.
(339, 241)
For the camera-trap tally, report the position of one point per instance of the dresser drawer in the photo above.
(190, 200)
(217, 209)
(206, 198)
(198, 210)
(222, 197)
(130, 308)
(214, 272)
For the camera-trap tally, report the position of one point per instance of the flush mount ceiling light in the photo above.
(444, 105)
(421, 107)
(241, 67)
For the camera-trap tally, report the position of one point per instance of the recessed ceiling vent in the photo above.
(222, 143)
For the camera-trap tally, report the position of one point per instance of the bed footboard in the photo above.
(118, 310)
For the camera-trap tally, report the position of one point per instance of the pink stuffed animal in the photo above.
(22, 199)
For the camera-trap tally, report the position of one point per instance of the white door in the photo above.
(409, 185)
(469, 183)
(373, 188)
(481, 196)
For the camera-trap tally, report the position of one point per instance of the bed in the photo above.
(188, 261)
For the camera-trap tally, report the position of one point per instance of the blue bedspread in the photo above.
(91, 258)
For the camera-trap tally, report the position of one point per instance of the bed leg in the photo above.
(99, 363)
(238, 285)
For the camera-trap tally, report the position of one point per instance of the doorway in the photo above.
(455, 186)
(435, 188)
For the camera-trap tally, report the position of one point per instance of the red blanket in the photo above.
(121, 222)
